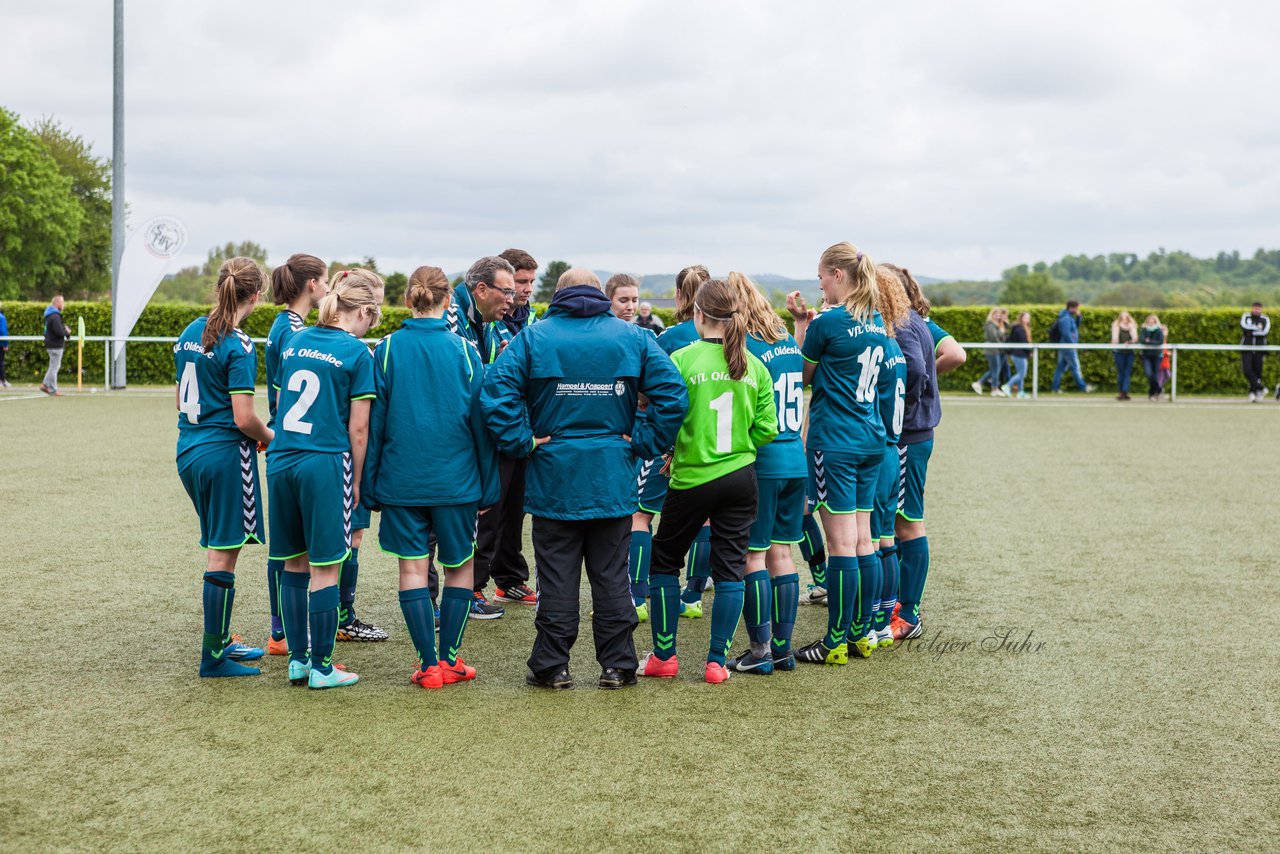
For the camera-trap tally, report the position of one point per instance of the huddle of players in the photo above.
(347, 420)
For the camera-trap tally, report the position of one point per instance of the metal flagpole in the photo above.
(117, 179)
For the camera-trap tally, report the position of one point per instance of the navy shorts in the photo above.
(311, 505)
(652, 485)
(886, 497)
(780, 514)
(844, 481)
(914, 460)
(406, 532)
(224, 487)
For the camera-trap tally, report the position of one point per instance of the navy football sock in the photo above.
(275, 568)
(868, 591)
(455, 606)
(814, 550)
(323, 612)
(347, 577)
(726, 609)
(889, 589)
(664, 613)
(293, 612)
(699, 566)
(638, 564)
(786, 596)
(420, 618)
(842, 592)
(757, 611)
(219, 594)
(914, 559)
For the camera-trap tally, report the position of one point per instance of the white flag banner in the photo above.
(143, 264)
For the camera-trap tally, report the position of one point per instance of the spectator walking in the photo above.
(1151, 337)
(1066, 330)
(994, 331)
(1124, 334)
(4, 347)
(649, 320)
(1256, 325)
(1019, 333)
(56, 334)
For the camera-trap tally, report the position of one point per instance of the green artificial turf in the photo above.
(1135, 543)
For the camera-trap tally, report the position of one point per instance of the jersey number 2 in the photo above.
(309, 384)
(189, 394)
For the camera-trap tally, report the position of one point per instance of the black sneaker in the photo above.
(358, 630)
(819, 653)
(746, 662)
(516, 593)
(557, 680)
(482, 610)
(612, 677)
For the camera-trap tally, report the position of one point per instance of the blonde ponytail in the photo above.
(353, 290)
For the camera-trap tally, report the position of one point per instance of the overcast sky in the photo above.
(953, 138)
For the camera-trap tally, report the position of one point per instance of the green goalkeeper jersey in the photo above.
(727, 418)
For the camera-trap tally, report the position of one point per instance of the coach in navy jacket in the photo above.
(564, 394)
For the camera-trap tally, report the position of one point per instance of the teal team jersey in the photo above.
(322, 370)
(680, 335)
(849, 354)
(891, 391)
(206, 380)
(283, 328)
(936, 332)
(784, 456)
(727, 419)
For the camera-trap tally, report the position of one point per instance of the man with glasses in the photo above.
(483, 299)
(500, 534)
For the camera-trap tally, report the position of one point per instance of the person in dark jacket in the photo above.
(1068, 326)
(1152, 338)
(4, 347)
(500, 537)
(1019, 333)
(479, 306)
(56, 334)
(1256, 325)
(563, 394)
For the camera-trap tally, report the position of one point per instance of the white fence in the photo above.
(1034, 369)
(1136, 349)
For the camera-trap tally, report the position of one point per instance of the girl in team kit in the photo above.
(772, 585)
(875, 606)
(843, 349)
(651, 479)
(298, 284)
(923, 412)
(314, 469)
(431, 466)
(216, 368)
(731, 414)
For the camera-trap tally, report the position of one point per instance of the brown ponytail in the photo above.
(288, 280)
(427, 288)
(688, 281)
(919, 302)
(718, 301)
(239, 279)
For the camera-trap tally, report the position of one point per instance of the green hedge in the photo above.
(1198, 373)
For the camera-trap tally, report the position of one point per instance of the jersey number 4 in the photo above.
(189, 394)
(309, 385)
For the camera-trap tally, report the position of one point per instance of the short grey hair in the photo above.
(575, 276)
(485, 271)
